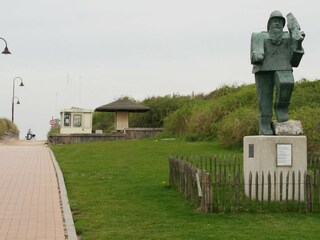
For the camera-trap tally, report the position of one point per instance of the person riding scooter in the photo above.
(30, 135)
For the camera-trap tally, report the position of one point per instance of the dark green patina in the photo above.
(273, 54)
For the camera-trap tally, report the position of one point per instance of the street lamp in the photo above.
(18, 101)
(6, 50)
(13, 97)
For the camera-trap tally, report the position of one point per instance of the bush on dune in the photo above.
(6, 125)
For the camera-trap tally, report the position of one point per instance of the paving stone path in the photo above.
(30, 205)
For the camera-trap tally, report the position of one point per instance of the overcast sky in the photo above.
(86, 53)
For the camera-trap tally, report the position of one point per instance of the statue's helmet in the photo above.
(276, 14)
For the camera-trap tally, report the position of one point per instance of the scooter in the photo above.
(31, 136)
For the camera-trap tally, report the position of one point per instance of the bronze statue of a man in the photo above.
(273, 54)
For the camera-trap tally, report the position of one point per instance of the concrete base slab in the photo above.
(264, 155)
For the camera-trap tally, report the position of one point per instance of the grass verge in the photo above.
(119, 190)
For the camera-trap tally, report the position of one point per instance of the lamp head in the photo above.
(6, 51)
(18, 102)
(21, 84)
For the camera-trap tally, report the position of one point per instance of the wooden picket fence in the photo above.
(217, 184)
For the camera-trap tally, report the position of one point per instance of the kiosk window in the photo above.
(77, 120)
(67, 120)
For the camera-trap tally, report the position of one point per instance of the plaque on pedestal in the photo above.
(284, 155)
(264, 155)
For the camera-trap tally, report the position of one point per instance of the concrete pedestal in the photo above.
(275, 154)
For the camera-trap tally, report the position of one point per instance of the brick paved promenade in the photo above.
(29, 196)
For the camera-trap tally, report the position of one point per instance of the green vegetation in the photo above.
(55, 130)
(226, 114)
(103, 121)
(119, 190)
(218, 115)
(6, 125)
(230, 113)
(161, 107)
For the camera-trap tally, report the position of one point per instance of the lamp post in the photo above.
(13, 97)
(6, 50)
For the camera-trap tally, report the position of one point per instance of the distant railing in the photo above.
(127, 134)
(83, 137)
(217, 184)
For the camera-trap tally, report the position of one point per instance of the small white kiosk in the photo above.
(75, 120)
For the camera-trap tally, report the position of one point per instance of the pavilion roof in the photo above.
(122, 106)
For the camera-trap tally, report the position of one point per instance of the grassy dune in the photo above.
(6, 125)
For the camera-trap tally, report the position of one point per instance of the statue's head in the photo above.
(276, 24)
(276, 20)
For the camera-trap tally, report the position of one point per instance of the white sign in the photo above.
(284, 155)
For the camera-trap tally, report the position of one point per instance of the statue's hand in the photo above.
(299, 47)
(257, 57)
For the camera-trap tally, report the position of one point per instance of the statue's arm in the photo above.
(257, 48)
(298, 51)
(297, 37)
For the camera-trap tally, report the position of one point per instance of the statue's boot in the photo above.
(281, 111)
(265, 126)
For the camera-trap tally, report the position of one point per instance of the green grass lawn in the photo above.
(119, 190)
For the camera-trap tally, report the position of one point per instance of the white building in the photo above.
(75, 120)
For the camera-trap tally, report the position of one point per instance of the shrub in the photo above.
(6, 125)
(55, 130)
(305, 93)
(103, 121)
(177, 122)
(200, 121)
(222, 91)
(206, 115)
(310, 120)
(241, 122)
(161, 107)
